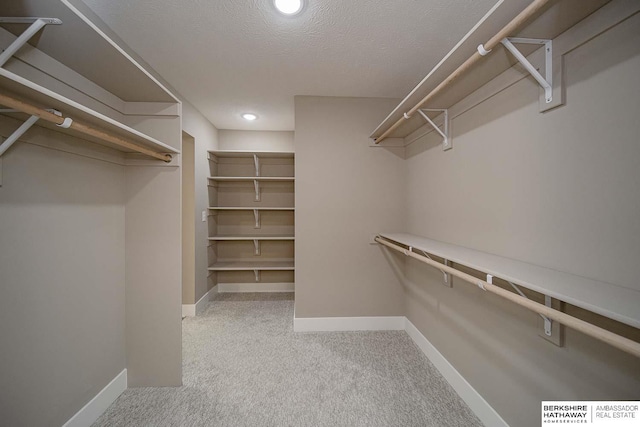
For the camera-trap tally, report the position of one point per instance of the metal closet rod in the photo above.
(511, 27)
(43, 114)
(622, 343)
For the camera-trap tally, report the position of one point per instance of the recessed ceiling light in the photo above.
(288, 7)
(249, 116)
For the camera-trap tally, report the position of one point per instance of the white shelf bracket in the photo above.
(36, 25)
(547, 302)
(256, 185)
(256, 245)
(256, 162)
(256, 215)
(446, 139)
(257, 274)
(547, 81)
(447, 276)
(17, 134)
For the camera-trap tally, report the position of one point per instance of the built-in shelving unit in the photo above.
(468, 67)
(251, 226)
(72, 91)
(90, 102)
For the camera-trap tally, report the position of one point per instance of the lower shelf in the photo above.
(252, 266)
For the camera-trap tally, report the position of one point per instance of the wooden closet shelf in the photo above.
(250, 178)
(248, 154)
(254, 237)
(248, 208)
(252, 265)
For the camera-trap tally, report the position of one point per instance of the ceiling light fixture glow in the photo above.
(249, 116)
(288, 7)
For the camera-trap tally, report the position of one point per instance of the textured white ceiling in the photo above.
(231, 56)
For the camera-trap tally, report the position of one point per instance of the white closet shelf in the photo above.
(237, 237)
(246, 208)
(76, 111)
(241, 154)
(252, 265)
(609, 300)
(251, 178)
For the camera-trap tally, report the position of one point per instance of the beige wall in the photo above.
(345, 192)
(559, 190)
(256, 140)
(205, 136)
(154, 275)
(188, 219)
(62, 279)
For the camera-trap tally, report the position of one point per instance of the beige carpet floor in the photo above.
(244, 366)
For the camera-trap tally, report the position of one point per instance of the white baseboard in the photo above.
(471, 397)
(256, 287)
(96, 406)
(190, 310)
(331, 324)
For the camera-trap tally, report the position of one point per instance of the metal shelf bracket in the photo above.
(547, 302)
(256, 215)
(446, 140)
(256, 162)
(446, 276)
(256, 185)
(36, 25)
(547, 81)
(257, 274)
(256, 245)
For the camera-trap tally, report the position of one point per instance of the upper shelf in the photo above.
(613, 301)
(74, 66)
(69, 108)
(551, 22)
(84, 36)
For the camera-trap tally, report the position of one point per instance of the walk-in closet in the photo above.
(319, 213)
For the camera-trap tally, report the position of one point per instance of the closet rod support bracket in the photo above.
(66, 124)
(547, 321)
(547, 81)
(447, 276)
(444, 133)
(36, 24)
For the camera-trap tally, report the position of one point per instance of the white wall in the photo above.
(558, 189)
(62, 279)
(345, 192)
